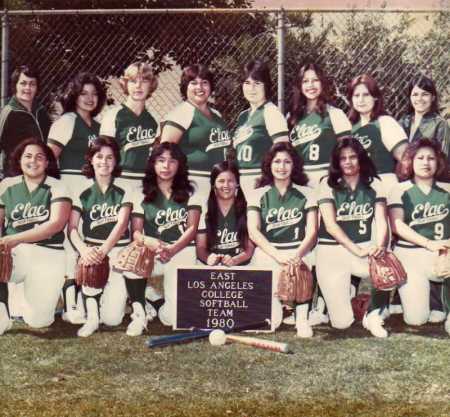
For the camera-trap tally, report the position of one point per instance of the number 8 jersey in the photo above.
(425, 213)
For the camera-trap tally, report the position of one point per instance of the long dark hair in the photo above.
(367, 170)
(405, 169)
(427, 85)
(297, 108)
(74, 89)
(298, 176)
(97, 144)
(52, 169)
(181, 186)
(240, 206)
(375, 92)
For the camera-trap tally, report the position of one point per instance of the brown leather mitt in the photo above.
(386, 271)
(295, 283)
(94, 275)
(441, 266)
(136, 258)
(6, 263)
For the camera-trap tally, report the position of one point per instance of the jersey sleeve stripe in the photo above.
(402, 142)
(174, 124)
(55, 142)
(395, 205)
(325, 200)
(254, 208)
(279, 135)
(61, 199)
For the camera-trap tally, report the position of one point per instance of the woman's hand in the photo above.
(214, 259)
(286, 258)
(165, 253)
(437, 245)
(9, 241)
(152, 243)
(91, 255)
(228, 260)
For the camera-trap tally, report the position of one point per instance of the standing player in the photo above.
(282, 222)
(350, 198)
(315, 124)
(22, 117)
(133, 127)
(34, 208)
(257, 127)
(222, 236)
(69, 139)
(198, 128)
(419, 211)
(165, 218)
(104, 208)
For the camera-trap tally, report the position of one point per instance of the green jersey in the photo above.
(254, 135)
(135, 136)
(380, 138)
(355, 209)
(226, 242)
(283, 217)
(25, 210)
(164, 218)
(314, 136)
(205, 140)
(426, 213)
(99, 211)
(73, 136)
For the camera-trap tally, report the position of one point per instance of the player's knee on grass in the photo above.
(415, 319)
(342, 323)
(40, 319)
(111, 318)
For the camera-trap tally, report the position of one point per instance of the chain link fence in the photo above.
(391, 46)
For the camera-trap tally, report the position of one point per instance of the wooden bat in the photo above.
(166, 340)
(218, 337)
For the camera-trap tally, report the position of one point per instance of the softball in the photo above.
(217, 337)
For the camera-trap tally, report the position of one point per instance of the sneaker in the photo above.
(88, 328)
(385, 313)
(150, 311)
(5, 324)
(395, 309)
(73, 316)
(447, 325)
(316, 317)
(374, 323)
(436, 316)
(304, 330)
(289, 320)
(137, 326)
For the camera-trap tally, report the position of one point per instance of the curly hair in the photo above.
(191, 72)
(297, 108)
(298, 176)
(74, 89)
(139, 69)
(52, 169)
(374, 91)
(240, 206)
(258, 70)
(367, 170)
(182, 188)
(97, 144)
(405, 168)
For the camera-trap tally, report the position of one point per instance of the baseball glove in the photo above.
(94, 276)
(386, 271)
(136, 258)
(295, 283)
(6, 263)
(441, 266)
(360, 305)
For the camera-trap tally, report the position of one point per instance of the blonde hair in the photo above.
(139, 69)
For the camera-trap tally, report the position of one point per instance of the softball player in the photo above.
(257, 127)
(199, 129)
(350, 198)
(419, 211)
(69, 139)
(282, 222)
(315, 124)
(104, 208)
(133, 127)
(222, 236)
(34, 208)
(165, 217)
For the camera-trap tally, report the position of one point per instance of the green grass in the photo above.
(51, 372)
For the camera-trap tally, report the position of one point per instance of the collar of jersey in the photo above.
(99, 189)
(37, 188)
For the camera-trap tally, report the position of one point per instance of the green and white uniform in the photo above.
(314, 137)
(283, 224)
(253, 137)
(99, 212)
(205, 141)
(135, 136)
(335, 264)
(166, 220)
(427, 213)
(227, 241)
(380, 138)
(40, 265)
